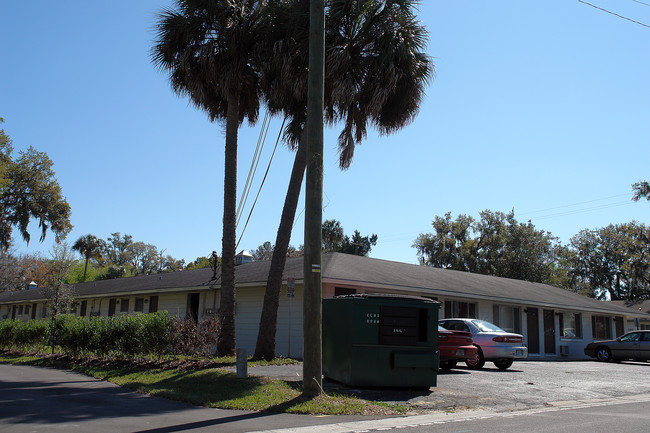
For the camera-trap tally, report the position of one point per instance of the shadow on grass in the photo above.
(214, 388)
(286, 406)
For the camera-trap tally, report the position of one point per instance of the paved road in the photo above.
(621, 414)
(45, 400)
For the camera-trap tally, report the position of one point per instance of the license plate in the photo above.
(460, 352)
(519, 352)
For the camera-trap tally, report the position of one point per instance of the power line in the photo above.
(588, 209)
(572, 204)
(398, 237)
(253, 168)
(261, 184)
(615, 14)
(637, 1)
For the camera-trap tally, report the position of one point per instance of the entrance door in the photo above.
(193, 306)
(111, 307)
(549, 332)
(532, 322)
(153, 304)
(620, 326)
(83, 308)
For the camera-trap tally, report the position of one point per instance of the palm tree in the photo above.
(88, 246)
(208, 48)
(375, 73)
(332, 235)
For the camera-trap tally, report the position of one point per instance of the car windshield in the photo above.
(634, 336)
(484, 326)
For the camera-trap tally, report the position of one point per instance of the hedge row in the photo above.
(133, 335)
(15, 334)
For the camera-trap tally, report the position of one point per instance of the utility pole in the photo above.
(312, 368)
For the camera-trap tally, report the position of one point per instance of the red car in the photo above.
(454, 346)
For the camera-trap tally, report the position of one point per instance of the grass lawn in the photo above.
(209, 386)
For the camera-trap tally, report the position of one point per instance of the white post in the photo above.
(291, 292)
(242, 364)
(289, 349)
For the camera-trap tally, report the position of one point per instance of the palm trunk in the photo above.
(86, 268)
(226, 341)
(265, 347)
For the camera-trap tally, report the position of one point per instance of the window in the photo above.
(338, 291)
(124, 305)
(139, 305)
(570, 325)
(460, 309)
(20, 310)
(453, 325)
(27, 309)
(601, 327)
(507, 318)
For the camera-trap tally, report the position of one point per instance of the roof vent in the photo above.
(33, 285)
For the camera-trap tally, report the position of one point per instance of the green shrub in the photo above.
(158, 333)
(23, 335)
(7, 327)
(133, 335)
(31, 334)
(74, 334)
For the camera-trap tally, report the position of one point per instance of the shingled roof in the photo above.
(374, 274)
(444, 282)
(636, 306)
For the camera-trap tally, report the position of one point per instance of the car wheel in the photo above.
(603, 354)
(477, 362)
(448, 365)
(503, 364)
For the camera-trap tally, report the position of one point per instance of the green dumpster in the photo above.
(381, 340)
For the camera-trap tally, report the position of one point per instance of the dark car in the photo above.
(633, 345)
(454, 346)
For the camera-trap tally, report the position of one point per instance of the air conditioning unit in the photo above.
(564, 350)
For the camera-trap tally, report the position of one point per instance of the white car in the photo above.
(494, 344)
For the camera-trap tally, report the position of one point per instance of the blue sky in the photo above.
(540, 107)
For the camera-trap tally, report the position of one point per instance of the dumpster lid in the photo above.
(386, 296)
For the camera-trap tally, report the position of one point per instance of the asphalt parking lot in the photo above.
(527, 384)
